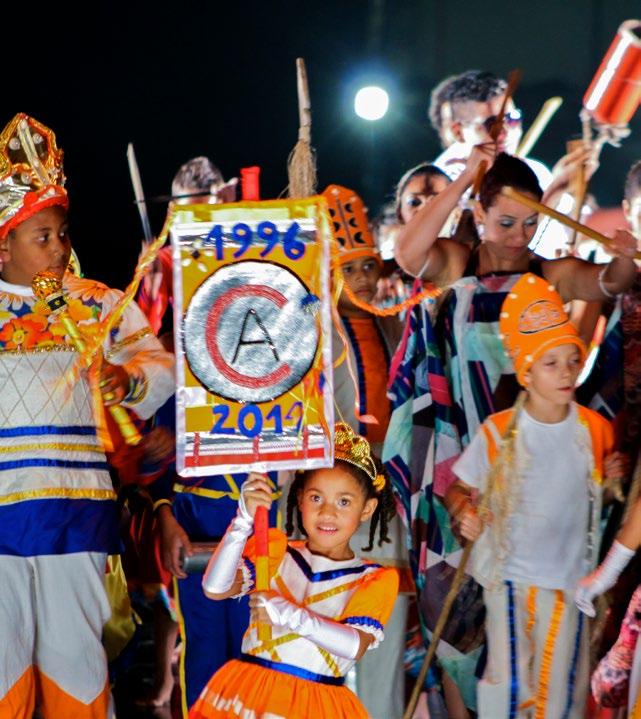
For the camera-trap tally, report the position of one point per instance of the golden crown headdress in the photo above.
(354, 449)
(31, 173)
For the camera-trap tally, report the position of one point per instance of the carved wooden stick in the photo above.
(512, 194)
(540, 123)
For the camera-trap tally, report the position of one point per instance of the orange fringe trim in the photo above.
(430, 293)
(531, 612)
(530, 605)
(548, 655)
(527, 704)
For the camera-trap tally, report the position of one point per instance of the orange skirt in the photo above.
(241, 689)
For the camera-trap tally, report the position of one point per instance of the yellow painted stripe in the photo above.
(58, 493)
(270, 645)
(55, 446)
(284, 590)
(329, 660)
(234, 493)
(202, 492)
(330, 592)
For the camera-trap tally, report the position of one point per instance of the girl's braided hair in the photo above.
(385, 509)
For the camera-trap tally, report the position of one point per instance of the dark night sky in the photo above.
(188, 78)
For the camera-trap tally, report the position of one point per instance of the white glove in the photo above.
(223, 565)
(602, 578)
(337, 638)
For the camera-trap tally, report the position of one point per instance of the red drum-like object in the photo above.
(615, 91)
(249, 183)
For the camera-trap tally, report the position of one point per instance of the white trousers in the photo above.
(537, 664)
(52, 610)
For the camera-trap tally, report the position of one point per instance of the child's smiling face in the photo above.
(333, 505)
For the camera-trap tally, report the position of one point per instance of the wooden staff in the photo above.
(250, 188)
(540, 123)
(460, 570)
(533, 204)
(466, 232)
(578, 189)
(438, 630)
(513, 80)
(301, 166)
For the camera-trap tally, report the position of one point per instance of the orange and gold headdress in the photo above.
(354, 449)
(350, 224)
(31, 175)
(533, 321)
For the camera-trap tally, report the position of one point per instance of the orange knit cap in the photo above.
(350, 225)
(533, 321)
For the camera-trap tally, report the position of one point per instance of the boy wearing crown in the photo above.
(369, 340)
(537, 470)
(58, 517)
(363, 346)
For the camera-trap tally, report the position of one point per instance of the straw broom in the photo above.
(301, 164)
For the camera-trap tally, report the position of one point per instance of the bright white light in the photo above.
(371, 102)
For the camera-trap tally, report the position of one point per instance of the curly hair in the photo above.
(383, 514)
(508, 171)
(438, 97)
(469, 86)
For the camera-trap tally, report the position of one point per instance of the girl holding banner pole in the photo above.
(326, 606)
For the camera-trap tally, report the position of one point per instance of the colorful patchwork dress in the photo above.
(290, 677)
(452, 374)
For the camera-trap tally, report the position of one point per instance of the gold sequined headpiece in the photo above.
(354, 449)
(31, 175)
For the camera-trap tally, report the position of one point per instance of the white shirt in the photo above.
(548, 527)
(453, 159)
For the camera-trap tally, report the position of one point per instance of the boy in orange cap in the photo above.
(538, 468)
(370, 342)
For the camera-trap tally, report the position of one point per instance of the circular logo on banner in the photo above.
(247, 335)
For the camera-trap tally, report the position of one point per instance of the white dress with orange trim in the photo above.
(290, 676)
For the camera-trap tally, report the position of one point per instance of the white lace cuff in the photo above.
(249, 578)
